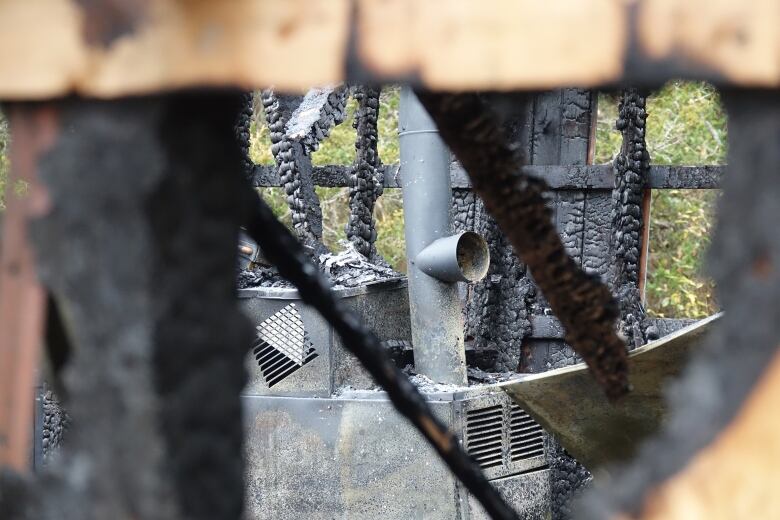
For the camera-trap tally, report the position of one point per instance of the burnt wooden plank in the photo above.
(559, 177)
(301, 43)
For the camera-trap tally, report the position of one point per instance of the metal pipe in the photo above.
(463, 257)
(435, 307)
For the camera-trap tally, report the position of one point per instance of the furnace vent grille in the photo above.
(485, 435)
(504, 437)
(283, 345)
(526, 437)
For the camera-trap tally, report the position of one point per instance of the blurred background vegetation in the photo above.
(4, 163)
(687, 125)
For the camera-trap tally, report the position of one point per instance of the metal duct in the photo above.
(435, 260)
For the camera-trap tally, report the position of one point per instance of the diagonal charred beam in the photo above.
(583, 304)
(281, 248)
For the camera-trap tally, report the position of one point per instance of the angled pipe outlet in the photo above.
(464, 257)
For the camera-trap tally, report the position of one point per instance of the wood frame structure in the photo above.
(124, 47)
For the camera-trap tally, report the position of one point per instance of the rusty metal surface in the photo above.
(54, 47)
(22, 299)
(570, 405)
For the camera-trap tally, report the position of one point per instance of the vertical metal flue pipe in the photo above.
(436, 310)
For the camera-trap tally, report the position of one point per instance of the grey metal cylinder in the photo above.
(463, 257)
(435, 307)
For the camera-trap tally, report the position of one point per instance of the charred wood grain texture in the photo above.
(583, 304)
(596, 177)
(139, 251)
(294, 168)
(365, 181)
(632, 165)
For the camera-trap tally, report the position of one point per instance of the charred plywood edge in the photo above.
(569, 403)
(54, 47)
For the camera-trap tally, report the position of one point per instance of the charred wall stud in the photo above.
(163, 179)
(632, 165)
(243, 133)
(294, 169)
(365, 183)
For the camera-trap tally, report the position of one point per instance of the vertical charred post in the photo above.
(365, 183)
(583, 304)
(295, 169)
(142, 234)
(632, 166)
(243, 133)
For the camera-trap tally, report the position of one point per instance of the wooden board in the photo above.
(22, 299)
(119, 47)
(736, 476)
(568, 403)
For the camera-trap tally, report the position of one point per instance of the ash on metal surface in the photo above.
(478, 377)
(349, 268)
(261, 277)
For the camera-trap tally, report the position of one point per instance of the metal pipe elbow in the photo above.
(463, 257)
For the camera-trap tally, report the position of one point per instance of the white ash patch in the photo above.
(351, 269)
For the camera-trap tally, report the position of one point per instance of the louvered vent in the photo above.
(526, 438)
(484, 435)
(283, 345)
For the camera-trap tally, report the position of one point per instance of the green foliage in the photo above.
(686, 125)
(4, 162)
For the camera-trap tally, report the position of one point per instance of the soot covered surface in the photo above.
(142, 232)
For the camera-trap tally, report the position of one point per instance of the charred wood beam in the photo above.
(364, 184)
(294, 168)
(630, 203)
(154, 376)
(289, 256)
(584, 305)
(548, 327)
(558, 177)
